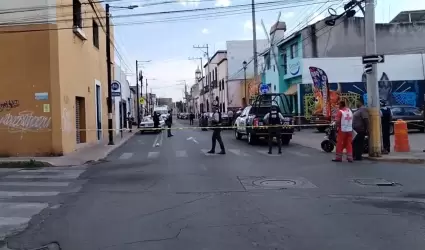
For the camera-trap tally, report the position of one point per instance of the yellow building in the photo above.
(53, 79)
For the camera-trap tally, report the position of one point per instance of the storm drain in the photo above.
(275, 183)
(376, 182)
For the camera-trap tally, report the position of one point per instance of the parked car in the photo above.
(412, 115)
(147, 124)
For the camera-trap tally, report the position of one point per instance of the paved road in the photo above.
(174, 196)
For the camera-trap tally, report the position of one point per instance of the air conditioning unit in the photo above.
(79, 32)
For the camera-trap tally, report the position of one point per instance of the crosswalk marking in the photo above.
(297, 153)
(152, 155)
(237, 152)
(126, 156)
(264, 152)
(66, 176)
(181, 153)
(6, 194)
(35, 184)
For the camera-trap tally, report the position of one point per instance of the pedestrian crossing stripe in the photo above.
(237, 152)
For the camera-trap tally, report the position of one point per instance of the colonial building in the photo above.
(53, 77)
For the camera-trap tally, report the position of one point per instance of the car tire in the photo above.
(238, 135)
(251, 139)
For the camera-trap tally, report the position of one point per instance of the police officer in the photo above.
(169, 122)
(274, 119)
(386, 121)
(216, 136)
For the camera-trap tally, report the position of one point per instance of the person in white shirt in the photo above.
(344, 123)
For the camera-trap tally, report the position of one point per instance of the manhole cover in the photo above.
(277, 183)
(375, 182)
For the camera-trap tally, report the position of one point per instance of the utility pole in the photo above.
(146, 99)
(372, 82)
(254, 40)
(208, 69)
(109, 72)
(138, 76)
(202, 78)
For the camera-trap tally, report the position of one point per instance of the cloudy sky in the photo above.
(152, 33)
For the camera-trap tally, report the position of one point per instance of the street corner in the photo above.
(397, 159)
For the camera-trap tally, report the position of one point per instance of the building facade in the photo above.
(60, 67)
(122, 103)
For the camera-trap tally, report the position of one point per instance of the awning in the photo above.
(292, 90)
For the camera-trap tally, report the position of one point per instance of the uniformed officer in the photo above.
(274, 118)
(386, 120)
(216, 136)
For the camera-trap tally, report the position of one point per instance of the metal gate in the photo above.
(77, 120)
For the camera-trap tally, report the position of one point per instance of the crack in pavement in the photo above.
(176, 236)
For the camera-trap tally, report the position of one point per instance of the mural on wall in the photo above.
(408, 92)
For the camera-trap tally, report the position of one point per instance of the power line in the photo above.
(283, 2)
(179, 18)
(308, 37)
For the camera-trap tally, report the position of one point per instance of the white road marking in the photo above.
(126, 156)
(237, 152)
(156, 140)
(181, 153)
(66, 176)
(7, 194)
(266, 153)
(35, 184)
(297, 153)
(161, 139)
(192, 139)
(20, 209)
(49, 170)
(152, 155)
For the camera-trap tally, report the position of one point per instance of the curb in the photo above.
(25, 164)
(397, 160)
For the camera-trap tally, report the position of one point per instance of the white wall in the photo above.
(119, 75)
(350, 69)
(23, 11)
(239, 51)
(235, 93)
(222, 76)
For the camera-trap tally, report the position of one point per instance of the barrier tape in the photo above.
(23, 129)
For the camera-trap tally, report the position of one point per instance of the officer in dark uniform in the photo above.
(216, 136)
(274, 119)
(386, 122)
(169, 122)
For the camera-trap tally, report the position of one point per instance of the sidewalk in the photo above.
(312, 139)
(83, 155)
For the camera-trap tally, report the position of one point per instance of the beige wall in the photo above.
(52, 59)
(28, 65)
(81, 67)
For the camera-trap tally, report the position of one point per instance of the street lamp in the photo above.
(244, 73)
(108, 67)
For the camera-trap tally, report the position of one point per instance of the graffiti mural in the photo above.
(408, 92)
(8, 105)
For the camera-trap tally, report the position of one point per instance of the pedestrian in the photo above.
(216, 136)
(130, 120)
(274, 119)
(386, 122)
(344, 124)
(169, 122)
(361, 127)
(155, 119)
(191, 118)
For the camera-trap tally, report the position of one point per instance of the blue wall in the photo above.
(408, 92)
(294, 65)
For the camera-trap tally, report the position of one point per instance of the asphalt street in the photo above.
(156, 192)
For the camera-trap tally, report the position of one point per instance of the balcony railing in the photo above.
(214, 84)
